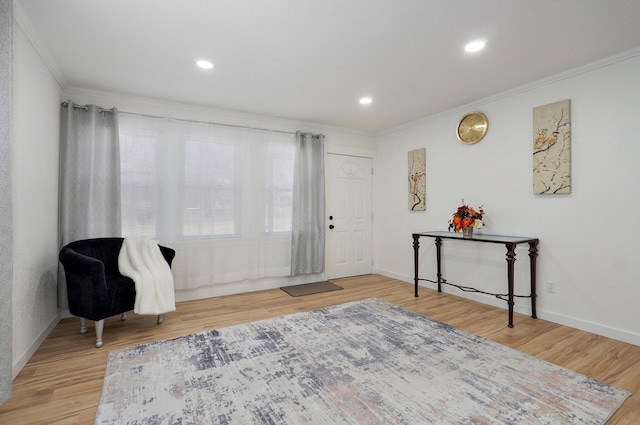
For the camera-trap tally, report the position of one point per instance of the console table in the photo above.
(509, 241)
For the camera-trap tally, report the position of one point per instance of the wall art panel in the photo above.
(552, 148)
(417, 180)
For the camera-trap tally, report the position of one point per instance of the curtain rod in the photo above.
(209, 122)
(86, 108)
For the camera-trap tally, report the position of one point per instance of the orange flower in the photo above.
(466, 216)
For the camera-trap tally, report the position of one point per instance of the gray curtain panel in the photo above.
(6, 215)
(89, 177)
(308, 222)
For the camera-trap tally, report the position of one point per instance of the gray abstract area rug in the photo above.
(365, 362)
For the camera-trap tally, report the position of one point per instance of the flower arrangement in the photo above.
(466, 216)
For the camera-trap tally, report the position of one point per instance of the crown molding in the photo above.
(611, 60)
(22, 20)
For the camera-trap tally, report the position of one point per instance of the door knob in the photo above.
(331, 226)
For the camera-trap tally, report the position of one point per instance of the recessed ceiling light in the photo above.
(365, 101)
(475, 46)
(204, 64)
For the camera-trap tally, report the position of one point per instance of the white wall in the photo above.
(36, 116)
(588, 242)
(6, 202)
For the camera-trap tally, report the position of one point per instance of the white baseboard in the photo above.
(583, 325)
(222, 289)
(21, 361)
(592, 327)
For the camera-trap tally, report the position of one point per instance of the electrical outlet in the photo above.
(551, 287)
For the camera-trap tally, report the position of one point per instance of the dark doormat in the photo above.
(310, 288)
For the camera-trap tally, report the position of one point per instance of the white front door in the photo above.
(349, 216)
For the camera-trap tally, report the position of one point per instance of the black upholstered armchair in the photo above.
(95, 288)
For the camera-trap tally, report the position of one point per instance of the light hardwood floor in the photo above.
(62, 382)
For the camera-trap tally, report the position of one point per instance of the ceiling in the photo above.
(311, 61)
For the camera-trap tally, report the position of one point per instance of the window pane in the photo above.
(139, 190)
(279, 188)
(209, 189)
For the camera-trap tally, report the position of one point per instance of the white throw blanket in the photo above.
(141, 260)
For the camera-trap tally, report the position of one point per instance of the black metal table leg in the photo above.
(511, 258)
(416, 248)
(533, 254)
(438, 258)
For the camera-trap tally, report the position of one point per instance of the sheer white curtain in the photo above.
(308, 229)
(221, 196)
(89, 194)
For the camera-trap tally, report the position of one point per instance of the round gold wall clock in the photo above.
(472, 128)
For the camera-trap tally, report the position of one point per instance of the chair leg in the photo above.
(99, 329)
(160, 318)
(83, 325)
(123, 316)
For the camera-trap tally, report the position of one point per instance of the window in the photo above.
(184, 180)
